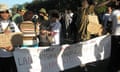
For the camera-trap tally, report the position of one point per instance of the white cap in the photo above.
(3, 7)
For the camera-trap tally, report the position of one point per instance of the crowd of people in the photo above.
(56, 28)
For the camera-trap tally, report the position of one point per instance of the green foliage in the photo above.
(60, 5)
(101, 9)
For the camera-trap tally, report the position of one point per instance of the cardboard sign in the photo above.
(11, 39)
(93, 19)
(94, 27)
(28, 27)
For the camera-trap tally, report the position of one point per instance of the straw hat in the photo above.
(3, 7)
(42, 10)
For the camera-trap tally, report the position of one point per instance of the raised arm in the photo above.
(104, 3)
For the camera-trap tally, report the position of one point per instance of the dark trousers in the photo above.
(7, 65)
(114, 64)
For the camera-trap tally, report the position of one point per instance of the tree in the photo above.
(61, 4)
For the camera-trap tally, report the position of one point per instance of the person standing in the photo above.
(55, 26)
(7, 63)
(107, 21)
(82, 18)
(43, 27)
(18, 17)
(68, 18)
(115, 39)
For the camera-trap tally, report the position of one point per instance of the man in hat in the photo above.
(43, 27)
(7, 63)
(43, 16)
(18, 17)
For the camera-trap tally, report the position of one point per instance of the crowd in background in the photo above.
(68, 29)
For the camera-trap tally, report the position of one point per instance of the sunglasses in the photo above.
(4, 11)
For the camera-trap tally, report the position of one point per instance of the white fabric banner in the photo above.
(27, 60)
(59, 58)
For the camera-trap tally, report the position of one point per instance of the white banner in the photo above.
(27, 60)
(59, 58)
(96, 49)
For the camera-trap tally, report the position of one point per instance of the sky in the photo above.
(11, 3)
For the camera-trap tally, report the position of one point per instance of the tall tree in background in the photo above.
(61, 4)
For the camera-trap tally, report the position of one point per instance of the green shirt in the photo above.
(17, 18)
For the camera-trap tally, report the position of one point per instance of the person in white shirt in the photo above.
(7, 63)
(115, 40)
(55, 27)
